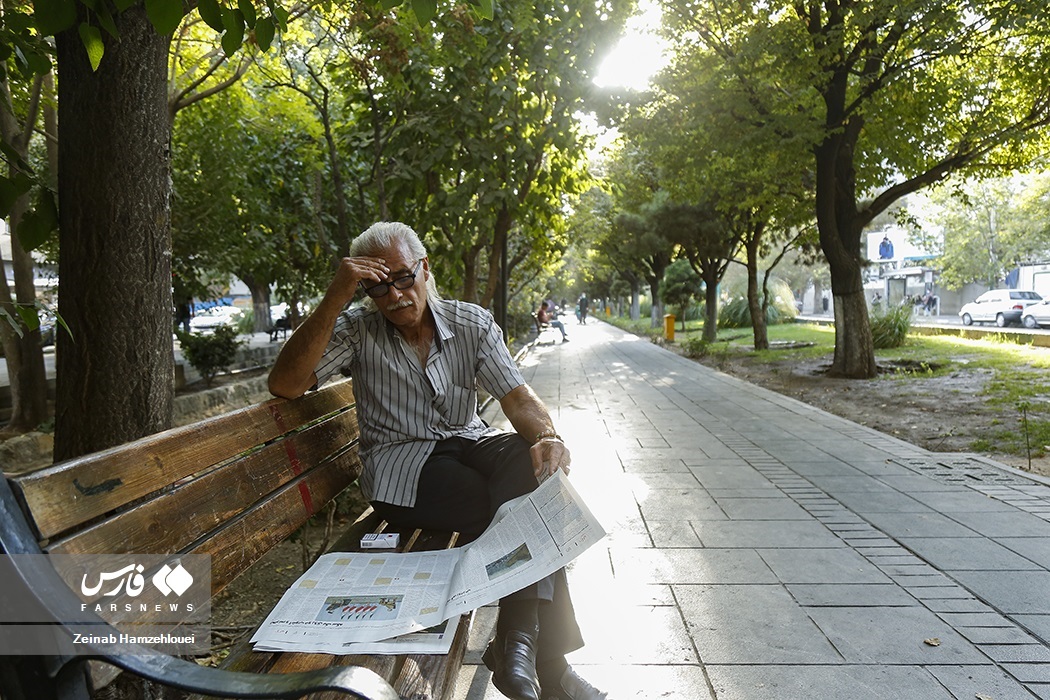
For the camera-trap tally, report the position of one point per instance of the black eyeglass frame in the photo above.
(404, 282)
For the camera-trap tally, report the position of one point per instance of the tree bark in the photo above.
(754, 304)
(115, 375)
(260, 302)
(711, 308)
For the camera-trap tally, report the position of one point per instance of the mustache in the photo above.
(399, 305)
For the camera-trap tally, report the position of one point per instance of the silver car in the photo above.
(1001, 306)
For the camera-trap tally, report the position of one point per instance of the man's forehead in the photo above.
(397, 258)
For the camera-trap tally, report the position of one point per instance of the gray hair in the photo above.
(384, 235)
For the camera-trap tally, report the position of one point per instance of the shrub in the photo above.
(890, 328)
(695, 346)
(210, 354)
(737, 314)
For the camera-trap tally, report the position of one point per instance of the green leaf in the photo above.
(91, 37)
(11, 321)
(37, 225)
(105, 19)
(211, 13)
(485, 8)
(10, 190)
(54, 16)
(281, 15)
(248, 10)
(123, 4)
(29, 316)
(164, 15)
(234, 36)
(390, 4)
(424, 9)
(264, 33)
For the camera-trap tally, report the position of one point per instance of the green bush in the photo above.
(210, 354)
(890, 328)
(695, 346)
(737, 314)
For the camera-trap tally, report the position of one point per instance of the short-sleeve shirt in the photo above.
(404, 409)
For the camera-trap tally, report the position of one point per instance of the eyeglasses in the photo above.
(381, 289)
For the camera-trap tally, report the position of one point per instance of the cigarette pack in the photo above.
(385, 540)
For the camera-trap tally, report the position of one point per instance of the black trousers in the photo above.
(461, 486)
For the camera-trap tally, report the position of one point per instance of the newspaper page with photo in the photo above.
(365, 599)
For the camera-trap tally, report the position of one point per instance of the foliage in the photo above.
(889, 98)
(889, 328)
(737, 314)
(680, 287)
(212, 353)
(982, 229)
(695, 346)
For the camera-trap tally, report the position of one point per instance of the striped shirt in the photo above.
(404, 409)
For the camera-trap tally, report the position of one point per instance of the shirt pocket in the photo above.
(456, 405)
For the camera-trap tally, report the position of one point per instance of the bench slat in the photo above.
(241, 542)
(77, 491)
(204, 504)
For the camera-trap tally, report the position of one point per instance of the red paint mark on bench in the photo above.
(293, 461)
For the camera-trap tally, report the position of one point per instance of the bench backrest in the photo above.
(232, 486)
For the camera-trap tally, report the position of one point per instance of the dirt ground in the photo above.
(940, 413)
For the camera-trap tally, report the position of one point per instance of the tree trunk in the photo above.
(754, 304)
(25, 356)
(636, 300)
(260, 290)
(116, 374)
(711, 309)
(656, 314)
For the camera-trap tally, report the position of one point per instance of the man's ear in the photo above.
(426, 269)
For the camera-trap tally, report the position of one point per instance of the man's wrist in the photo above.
(547, 434)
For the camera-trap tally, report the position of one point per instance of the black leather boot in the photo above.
(512, 660)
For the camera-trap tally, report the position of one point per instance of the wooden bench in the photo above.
(231, 487)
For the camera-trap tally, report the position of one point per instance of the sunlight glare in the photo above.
(638, 55)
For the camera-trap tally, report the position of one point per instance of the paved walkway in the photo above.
(761, 549)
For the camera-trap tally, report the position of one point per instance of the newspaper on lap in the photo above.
(375, 602)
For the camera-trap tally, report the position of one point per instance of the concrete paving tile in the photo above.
(789, 534)
(738, 476)
(1017, 653)
(812, 467)
(952, 605)
(893, 635)
(1041, 690)
(915, 484)
(751, 625)
(641, 465)
(966, 553)
(1037, 549)
(725, 566)
(1022, 592)
(850, 595)
(663, 480)
(997, 635)
(979, 682)
(634, 635)
(1039, 625)
(960, 500)
(919, 524)
(1004, 524)
(1029, 673)
(768, 682)
(839, 565)
(782, 508)
(680, 504)
(925, 593)
(990, 620)
(767, 491)
(888, 501)
(863, 483)
(673, 534)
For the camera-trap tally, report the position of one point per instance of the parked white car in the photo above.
(1001, 306)
(1036, 315)
(210, 319)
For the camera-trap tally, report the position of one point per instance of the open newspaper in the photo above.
(357, 602)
